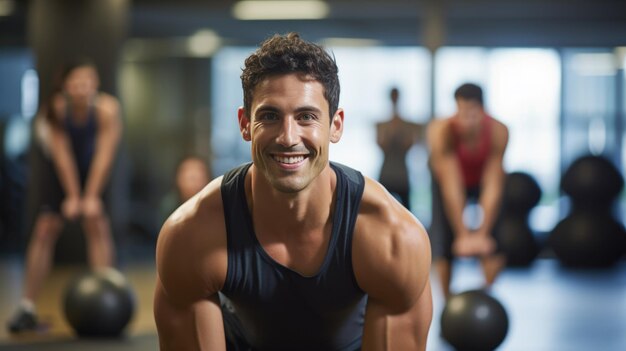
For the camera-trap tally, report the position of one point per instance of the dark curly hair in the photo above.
(283, 54)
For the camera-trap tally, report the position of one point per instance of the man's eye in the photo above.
(268, 117)
(307, 117)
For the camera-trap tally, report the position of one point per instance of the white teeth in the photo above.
(289, 160)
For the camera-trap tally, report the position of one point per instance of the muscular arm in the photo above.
(188, 325)
(446, 171)
(492, 182)
(107, 139)
(191, 268)
(391, 256)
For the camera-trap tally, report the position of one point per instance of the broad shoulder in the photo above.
(391, 251)
(500, 127)
(437, 123)
(437, 135)
(108, 106)
(437, 126)
(191, 249)
(500, 133)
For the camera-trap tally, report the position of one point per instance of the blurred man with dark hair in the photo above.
(466, 154)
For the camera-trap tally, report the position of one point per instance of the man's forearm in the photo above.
(491, 198)
(102, 163)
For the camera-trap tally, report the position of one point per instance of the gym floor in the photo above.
(550, 308)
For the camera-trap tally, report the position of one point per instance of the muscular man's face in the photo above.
(290, 130)
(81, 84)
(470, 113)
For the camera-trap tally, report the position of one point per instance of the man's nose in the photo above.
(288, 135)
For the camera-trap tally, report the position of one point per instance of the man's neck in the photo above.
(305, 210)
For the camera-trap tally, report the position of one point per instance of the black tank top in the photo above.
(83, 140)
(278, 308)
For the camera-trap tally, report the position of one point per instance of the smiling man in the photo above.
(291, 251)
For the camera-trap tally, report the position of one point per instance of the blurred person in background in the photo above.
(79, 130)
(192, 174)
(466, 155)
(395, 137)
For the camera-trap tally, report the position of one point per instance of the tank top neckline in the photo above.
(484, 127)
(332, 242)
(89, 115)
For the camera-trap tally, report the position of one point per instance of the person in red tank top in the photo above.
(472, 158)
(466, 153)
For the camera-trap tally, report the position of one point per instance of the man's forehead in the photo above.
(293, 77)
(290, 86)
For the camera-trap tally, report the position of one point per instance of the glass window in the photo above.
(229, 150)
(591, 103)
(367, 76)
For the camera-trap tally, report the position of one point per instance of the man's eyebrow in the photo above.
(308, 109)
(270, 108)
(267, 108)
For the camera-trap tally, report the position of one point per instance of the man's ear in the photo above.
(336, 126)
(244, 124)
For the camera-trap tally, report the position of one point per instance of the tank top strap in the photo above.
(233, 199)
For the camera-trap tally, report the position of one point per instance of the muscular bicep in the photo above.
(191, 268)
(399, 319)
(391, 259)
(188, 325)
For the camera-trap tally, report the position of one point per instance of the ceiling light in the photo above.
(350, 42)
(280, 9)
(203, 43)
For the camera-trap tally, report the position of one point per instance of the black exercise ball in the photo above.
(516, 241)
(592, 181)
(99, 303)
(474, 321)
(588, 239)
(521, 193)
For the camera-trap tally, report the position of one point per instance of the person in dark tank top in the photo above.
(78, 131)
(466, 155)
(292, 251)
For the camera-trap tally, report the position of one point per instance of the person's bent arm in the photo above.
(190, 271)
(107, 139)
(492, 182)
(392, 265)
(446, 171)
(64, 162)
(188, 325)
